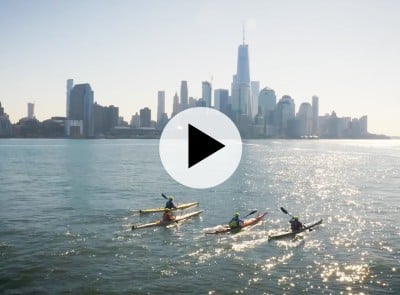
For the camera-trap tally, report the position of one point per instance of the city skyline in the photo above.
(344, 55)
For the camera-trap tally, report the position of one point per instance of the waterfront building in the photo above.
(184, 95)
(31, 110)
(240, 87)
(160, 105)
(176, 106)
(315, 115)
(285, 110)
(192, 102)
(70, 85)
(5, 124)
(221, 100)
(135, 121)
(363, 125)
(80, 122)
(255, 91)
(305, 115)
(266, 107)
(145, 117)
(206, 93)
(105, 118)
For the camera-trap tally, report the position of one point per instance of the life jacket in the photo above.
(234, 223)
(167, 216)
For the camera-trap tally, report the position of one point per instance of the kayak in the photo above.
(225, 228)
(293, 234)
(166, 223)
(161, 209)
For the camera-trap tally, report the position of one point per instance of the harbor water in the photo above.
(67, 206)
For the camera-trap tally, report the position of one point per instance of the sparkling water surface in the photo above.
(66, 207)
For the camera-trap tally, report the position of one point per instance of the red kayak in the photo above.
(225, 228)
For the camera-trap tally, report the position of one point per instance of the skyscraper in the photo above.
(161, 105)
(241, 89)
(184, 95)
(176, 106)
(145, 117)
(80, 117)
(31, 110)
(206, 92)
(255, 91)
(221, 100)
(315, 114)
(285, 110)
(70, 85)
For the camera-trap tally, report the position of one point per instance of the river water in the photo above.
(66, 207)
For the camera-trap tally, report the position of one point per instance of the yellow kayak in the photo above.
(166, 223)
(161, 209)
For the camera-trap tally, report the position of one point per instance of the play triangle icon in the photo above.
(200, 145)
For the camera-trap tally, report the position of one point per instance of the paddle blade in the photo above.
(284, 210)
(164, 196)
(252, 212)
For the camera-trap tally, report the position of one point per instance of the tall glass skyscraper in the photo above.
(241, 89)
(80, 116)
(184, 95)
(160, 105)
(206, 92)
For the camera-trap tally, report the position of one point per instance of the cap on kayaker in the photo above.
(237, 214)
(296, 218)
(170, 198)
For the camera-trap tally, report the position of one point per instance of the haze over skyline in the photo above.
(344, 52)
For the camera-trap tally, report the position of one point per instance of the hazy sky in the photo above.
(346, 52)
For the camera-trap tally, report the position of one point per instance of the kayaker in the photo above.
(168, 215)
(295, 224)
(170, 203)
(236, 221)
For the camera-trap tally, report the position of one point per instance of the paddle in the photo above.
(252, 212)
(286, 212)
(164, 196)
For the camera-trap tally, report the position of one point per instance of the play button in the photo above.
(200, 147)
(198, 138)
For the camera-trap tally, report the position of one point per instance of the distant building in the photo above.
(5, 124)
(315, 115)
(305, 115)
(255, 91)
(266, 107)
(240, 87)
(184, 95)
(135, 121)
(162, 122)
(206, 93)
(192, 102)
(145, 117)
(105, 118)
(80, 122)
(363, 125)
(221, 100)
(160, 105)
(285, 110)
(70, 85)
(31, 110)
(176, 106)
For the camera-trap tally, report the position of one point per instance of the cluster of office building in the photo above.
(257, 113)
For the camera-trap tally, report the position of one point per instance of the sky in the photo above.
(345, 52)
